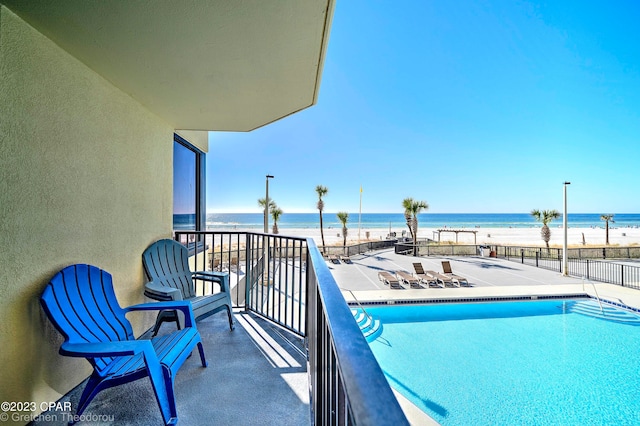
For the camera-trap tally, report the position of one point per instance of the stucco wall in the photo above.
(85, 177)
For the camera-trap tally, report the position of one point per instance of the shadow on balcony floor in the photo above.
(257, 374)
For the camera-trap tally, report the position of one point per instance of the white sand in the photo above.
(504, 236)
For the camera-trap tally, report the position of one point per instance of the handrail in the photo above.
(348, 385)
(358, 302)
(595, 290)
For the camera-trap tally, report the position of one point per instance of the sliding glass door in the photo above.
(188, 186)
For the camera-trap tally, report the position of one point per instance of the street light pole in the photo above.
(266, 206)
(565, 268)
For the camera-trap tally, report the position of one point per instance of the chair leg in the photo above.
(202, 358)
(232, 326)
(166, 316)
(168, 384)
(162, 383)
(90, 391)
(156, 327)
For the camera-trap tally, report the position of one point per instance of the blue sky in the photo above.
(471, 106)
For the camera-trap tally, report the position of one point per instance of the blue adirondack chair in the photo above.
(166, 263)
(81, 303)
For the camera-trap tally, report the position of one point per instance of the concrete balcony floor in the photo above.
(257, 375)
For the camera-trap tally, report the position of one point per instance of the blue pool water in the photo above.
(536, 363)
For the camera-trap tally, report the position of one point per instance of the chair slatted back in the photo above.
(418, 268)
(81, 303)
(446, 267)
(166, 262)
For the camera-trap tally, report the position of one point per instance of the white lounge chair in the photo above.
(389, 279)
(426, 278)
(409, 279)
(446, 268)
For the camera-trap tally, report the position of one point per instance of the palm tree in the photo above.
(607, 218)
(343, 217)
(411, 209)
(321, 191)
(275, 212)
(406, 205)
(263, 204)
(545, 216)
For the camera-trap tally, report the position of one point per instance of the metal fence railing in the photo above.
(266, 271)
(535, 256)
(354, 249)
(572, 253)
(429, 249)
(604, 253)
(425, 249)
(286, 280)
(590, 268)
(607, 272)
(276, 286)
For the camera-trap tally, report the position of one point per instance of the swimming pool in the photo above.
(535, 362)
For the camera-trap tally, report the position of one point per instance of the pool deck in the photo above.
(488, 278)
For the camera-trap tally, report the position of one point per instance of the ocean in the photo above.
(255, 221)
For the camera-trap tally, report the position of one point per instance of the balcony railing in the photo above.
(287, 281)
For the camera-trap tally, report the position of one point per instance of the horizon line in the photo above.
(397, 212)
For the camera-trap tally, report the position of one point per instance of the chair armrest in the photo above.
(103, 349)
(118, 348)
(212, 276)
(179, 305)
(161, 292)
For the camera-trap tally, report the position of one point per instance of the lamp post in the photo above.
(565, 268)
(266, 206)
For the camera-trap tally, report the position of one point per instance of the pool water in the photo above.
(507, 363)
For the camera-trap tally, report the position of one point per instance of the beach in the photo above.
(517, 229)
(576, 236)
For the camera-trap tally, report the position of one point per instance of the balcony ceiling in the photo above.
(229, 65)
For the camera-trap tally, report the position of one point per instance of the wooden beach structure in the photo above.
(457, 231)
